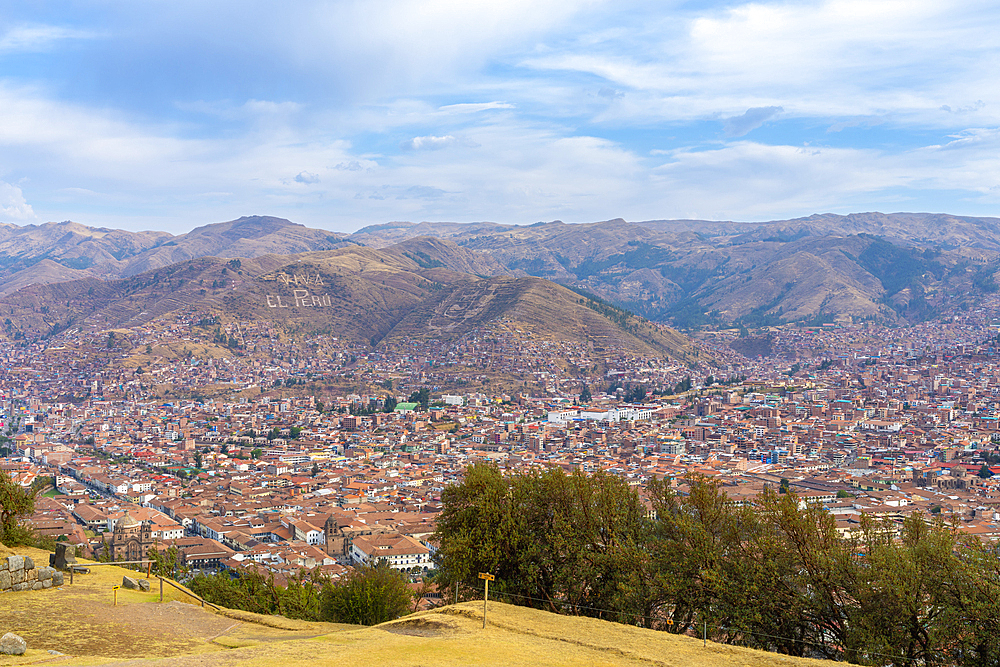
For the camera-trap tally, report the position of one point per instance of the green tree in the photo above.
(165, 563)
(315, 469)
(16, 504)
(585, 396)
(985, 472)
(904, 598)
(566, 543)
(421, 396)
(975, 593)
(256, 452)
(367, 596)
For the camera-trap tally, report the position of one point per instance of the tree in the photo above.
(256, 452)
(315, 469)
(985, 472)
(904, 611)
(165, 563)
(585, 396)
(635, 394)
(367, 596)
(16, 504)
(421, 396)
(567, 543)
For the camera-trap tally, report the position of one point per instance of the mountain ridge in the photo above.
(891, 268)
(422, 289)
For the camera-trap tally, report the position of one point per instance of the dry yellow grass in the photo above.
(80, 622)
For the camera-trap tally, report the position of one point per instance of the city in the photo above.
(286, 475)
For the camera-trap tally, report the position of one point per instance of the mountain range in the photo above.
(420, 289)
(869, 266)
(60, 251)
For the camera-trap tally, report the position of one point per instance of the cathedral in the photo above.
(131, 539)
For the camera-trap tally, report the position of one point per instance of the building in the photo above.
(401, 552)
(131, 539)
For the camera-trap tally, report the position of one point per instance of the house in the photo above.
(401, 552)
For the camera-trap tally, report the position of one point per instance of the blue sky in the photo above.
(157, 115)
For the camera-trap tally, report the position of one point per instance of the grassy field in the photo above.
(83, 625)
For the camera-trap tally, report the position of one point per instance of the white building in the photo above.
(401, 552)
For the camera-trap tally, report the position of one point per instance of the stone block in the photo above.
(46, 584)
(22, 586)
(31, 575)
(144, 585)
(28, 563)
(37, 586)
(16, 576)
(3, 565)
(57, 579)
(64, 557)
(5, 582)
(11, 644)
(129, 582)
(15, 563)
(45, 573)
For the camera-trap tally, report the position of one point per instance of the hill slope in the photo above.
(47, 253)
(81, 622)
(895, 267)
(419, 289)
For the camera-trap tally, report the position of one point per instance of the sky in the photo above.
(341, 114)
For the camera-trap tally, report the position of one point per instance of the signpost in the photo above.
(488, 578)
(116, 595)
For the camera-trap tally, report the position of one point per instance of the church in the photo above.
(131, 539)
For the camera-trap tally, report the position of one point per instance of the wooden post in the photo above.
(71, 568)
(161, 588)
(149, 568)
(488, 578)
(116, 595)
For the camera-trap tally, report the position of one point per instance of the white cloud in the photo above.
(737, 126)
(34, 38)
(13, 207)
(251, 109)
(827, 59)
(474, 107)
(429, 143)
(361, 100)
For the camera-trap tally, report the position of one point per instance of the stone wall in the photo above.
(18, 573)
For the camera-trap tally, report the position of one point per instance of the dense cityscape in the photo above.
(259, 458)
